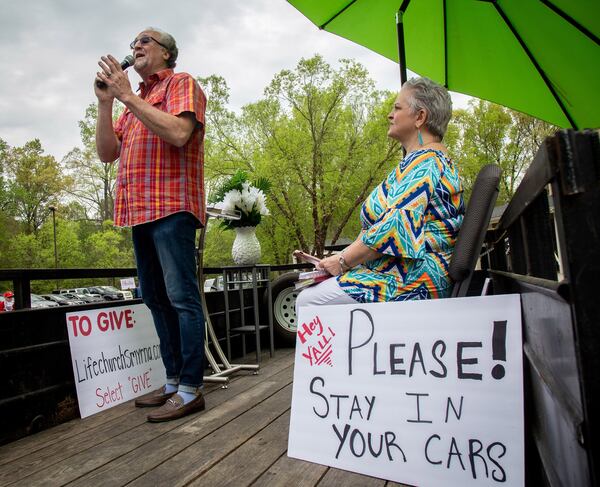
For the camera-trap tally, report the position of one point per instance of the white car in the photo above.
(61, 299)
(213, 284)
(83, 290)
(38, 302)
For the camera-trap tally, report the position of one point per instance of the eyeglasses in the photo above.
(145, 40)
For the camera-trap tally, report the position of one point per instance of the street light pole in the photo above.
(53, 210)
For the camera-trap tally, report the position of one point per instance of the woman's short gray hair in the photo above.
(425, 94)
(169, 41)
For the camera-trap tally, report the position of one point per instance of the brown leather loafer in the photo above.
(174, 409)
(156, 398)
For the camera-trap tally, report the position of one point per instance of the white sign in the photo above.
(116, 356)
(128, 283)
(427, 393)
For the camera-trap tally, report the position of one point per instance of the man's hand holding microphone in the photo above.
(112, 81)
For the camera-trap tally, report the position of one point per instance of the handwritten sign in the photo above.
(116, 356)
(426, 393)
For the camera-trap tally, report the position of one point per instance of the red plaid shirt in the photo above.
(156, 179)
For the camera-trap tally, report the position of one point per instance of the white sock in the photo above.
(170, 388)
(186, 396)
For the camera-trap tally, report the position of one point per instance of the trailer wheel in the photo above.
(284, 308)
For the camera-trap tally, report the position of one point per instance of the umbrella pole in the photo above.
(401, 46)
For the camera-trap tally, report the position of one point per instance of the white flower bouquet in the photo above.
(249, 198)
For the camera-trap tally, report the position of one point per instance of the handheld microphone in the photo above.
(128, 61)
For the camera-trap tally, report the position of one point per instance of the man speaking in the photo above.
(159, 140)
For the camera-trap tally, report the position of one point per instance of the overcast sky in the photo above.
(50, 51)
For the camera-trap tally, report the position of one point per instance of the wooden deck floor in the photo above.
(240, 440)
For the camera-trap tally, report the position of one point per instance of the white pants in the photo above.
(326, 292)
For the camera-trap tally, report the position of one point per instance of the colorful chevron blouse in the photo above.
(412, 218)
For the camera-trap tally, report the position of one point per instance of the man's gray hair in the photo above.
(425, 94)
(169, 41)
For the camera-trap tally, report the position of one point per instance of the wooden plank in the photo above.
(38, 460)
(128, 456)
(299, 473)
(72, 429)
(95, 452)
(199, 457)
(74, 457)
(290, 471)
(335, 477)
(242, 466)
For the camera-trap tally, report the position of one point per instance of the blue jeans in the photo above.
(165, 255)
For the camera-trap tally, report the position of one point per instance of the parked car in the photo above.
(213, 284)
(88, 298)
(38, 302)
(84, 290)
(126, 294)
(106, 295)
(62, 300)
(110, 293)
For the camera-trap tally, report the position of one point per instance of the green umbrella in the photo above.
(540, 57)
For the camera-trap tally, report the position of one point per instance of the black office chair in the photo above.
(472, 232)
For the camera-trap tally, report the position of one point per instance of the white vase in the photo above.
(246, 247)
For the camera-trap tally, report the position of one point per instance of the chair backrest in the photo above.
(472, 232)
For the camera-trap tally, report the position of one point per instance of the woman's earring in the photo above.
(419, 136)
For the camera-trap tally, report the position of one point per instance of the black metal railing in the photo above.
(553, 260)
(22, 278)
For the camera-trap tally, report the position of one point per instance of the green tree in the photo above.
(489, 133)
(35, 181)
(109, 247)
(224, 147)
(74, 211)
(4, 196)
(69, 249)
(217, 246)
(8, 226)
(319, 135)
(94, 186)
(23, 252)
(36, 250)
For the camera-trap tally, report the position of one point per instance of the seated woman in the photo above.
(410, 221)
